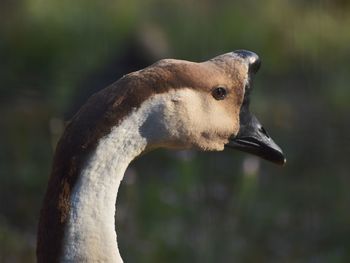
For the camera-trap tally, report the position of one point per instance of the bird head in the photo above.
(206, 106)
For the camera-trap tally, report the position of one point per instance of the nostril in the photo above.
(262, 130)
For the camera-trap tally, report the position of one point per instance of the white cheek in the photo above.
(168, 123)
(202, 120)
(187, 118)
(208, 115)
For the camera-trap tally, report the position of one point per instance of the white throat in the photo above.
(90, 234)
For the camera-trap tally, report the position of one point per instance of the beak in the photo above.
(254, 139)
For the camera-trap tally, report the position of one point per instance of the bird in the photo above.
(174, 104)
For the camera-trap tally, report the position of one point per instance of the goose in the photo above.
(173, 104)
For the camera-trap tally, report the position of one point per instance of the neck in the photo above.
(77, 218)
(90, 231)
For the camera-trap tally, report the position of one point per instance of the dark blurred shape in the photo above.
(142, 49)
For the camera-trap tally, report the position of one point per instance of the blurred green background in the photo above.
(187, 206)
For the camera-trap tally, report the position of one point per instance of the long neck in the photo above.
(77, 218)
(90, 231)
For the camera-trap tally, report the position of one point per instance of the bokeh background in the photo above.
(187, 206)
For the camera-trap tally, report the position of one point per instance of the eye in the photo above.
(219, 93)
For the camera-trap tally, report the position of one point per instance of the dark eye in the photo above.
(219, 93)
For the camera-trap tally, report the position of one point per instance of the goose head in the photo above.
(206, 106)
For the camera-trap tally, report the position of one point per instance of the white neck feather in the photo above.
(90, 234)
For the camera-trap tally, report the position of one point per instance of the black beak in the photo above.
(252, 137)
